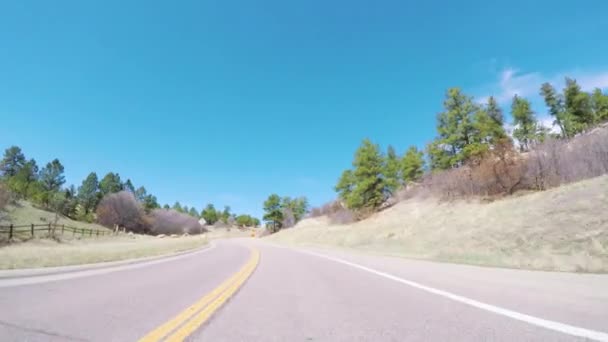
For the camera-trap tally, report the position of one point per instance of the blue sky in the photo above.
(229, 101)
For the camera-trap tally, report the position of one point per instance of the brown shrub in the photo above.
(502, 170)
(167, 221)
(557, 162)
(335, 211)
(122, 210)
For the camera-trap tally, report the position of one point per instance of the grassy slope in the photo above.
(25, 213)
(40, 252)
(562, 229)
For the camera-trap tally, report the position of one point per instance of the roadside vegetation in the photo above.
(484, 190)
(110, 202)
(474, 155)
(48, 252)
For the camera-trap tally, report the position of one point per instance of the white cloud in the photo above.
(511, 82)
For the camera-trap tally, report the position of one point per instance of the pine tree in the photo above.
(12, 162)
(273, 212)
(392, 170)
(128, 186)
(51, 176)
(412, 165)
(209, 214)
(345, 186)
(370, 188)
(88, 193)
(455, 126)
(177, 207)
(578, 107)
(495, 112)
(526, 130)
(599, 103)
(110, 184)
(555, 103)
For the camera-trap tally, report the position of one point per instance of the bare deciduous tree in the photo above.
(122, 210)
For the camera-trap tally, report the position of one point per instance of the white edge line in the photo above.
(551, 325)
(10, 282)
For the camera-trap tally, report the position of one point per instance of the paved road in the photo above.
(311, 295)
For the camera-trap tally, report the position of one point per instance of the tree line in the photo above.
(45, 187)
(467, 132)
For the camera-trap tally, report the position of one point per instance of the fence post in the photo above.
(10, 232)
(97, 233)
(62, 228)
(73, 231)
(90, 232)
(81, 231)
(49, 229)
(32, 229)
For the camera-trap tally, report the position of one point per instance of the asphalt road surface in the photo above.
(306, 295)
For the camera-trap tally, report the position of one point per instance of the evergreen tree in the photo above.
(177, 207)
(23, 182)
(345, 186)
(526, 126)
(370, 188)
(150, 203)
(456, 131)
(210, 214)
(578, 107)
(128, 186)
(51, 176)
(12, 162)
(140, 194)
(555, 103)
(412, 165)
(88, 193)
(110, 184)
(392, 170)
(495, 112)
(273, 212)
(192, 212)
(599, 105)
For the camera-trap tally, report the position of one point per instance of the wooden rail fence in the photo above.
(51, 229)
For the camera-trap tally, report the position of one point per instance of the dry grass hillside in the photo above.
(563, 229)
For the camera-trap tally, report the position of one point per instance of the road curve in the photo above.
(313, 295)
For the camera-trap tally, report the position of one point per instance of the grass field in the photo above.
(46, 252)
(564, 229)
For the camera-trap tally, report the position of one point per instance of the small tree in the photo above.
(412, 165)
(88, 193)
(392, 170)
(526, 126)
(273, 212)
(209, 214)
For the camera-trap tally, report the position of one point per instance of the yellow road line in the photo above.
(203, 316)
(237, 279)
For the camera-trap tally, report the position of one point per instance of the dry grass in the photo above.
(44, 252)
(563, 229)
(24, 213)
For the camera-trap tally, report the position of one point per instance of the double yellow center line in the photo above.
(187, 321)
